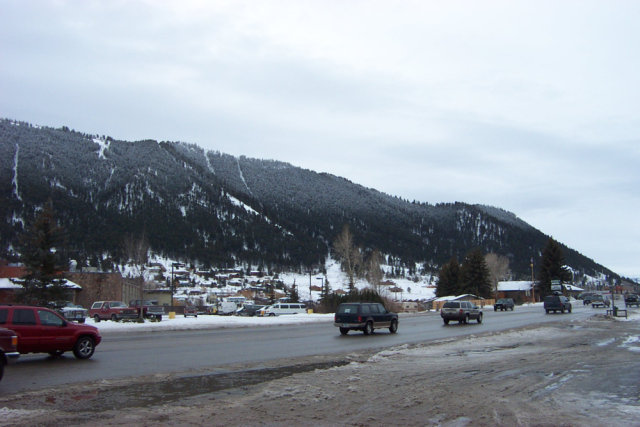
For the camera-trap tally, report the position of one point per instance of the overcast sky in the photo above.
(531, 106)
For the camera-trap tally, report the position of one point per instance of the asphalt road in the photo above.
(125, 355)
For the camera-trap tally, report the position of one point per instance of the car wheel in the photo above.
(479, 318)
(466, 319)
(562, 310)
(569, 310)
(272, 314)
(446, 321)
(368, 328)
(84, 348)
(344, 331)
(96, 318)
(114, 317)
(393, 328)
(547, 311)
(495, 309)
(512, 308)
(1, 369)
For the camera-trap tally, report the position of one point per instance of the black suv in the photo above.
(556, 303)
(365, 317)
(632, 299)
(461, 311)
(504, 304)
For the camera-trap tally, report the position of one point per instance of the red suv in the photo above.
(112, 310)
(41, 330)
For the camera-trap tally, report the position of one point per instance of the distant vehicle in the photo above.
(365, 317)
(8, 348)
(227, 307)
(150, 308)
(190, 310)
(586, 297)
(70, 311)
(631, 300)
(504, 304)
(285, 308)
(248, 310)
(461, 311)
(112, 310)
(556, 303)
(42, 330)
(598, 300)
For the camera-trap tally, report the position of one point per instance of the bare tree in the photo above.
(349, 255)
(136, 251)
(374, 271)
(498, 269)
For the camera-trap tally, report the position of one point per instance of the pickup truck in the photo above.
(112, 310)
(364, 317)
(632, 299)
(150, 308)
(8, 348)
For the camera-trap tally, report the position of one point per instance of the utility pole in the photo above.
(533, 284)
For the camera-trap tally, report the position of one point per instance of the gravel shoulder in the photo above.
(586, 373)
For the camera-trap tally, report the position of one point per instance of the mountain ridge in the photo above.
(213, 208)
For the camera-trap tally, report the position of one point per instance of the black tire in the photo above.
(81, 320)
(272, 314)
(562, 310)
(114, 318)
(512, 308)
(393, 328)
(465, 320)
(344, 331)
(569, 310)
(495, 309)
(84, 347)
(446, 321)
(1, 369)
(368, 328)
(96, 318)
(479, 319)
(547, 311)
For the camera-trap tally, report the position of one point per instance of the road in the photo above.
(125, 355)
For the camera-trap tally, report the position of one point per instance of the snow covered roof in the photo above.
(8, 284)
(522, 285)
(573, 288)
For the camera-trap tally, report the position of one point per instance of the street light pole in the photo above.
(533, 284)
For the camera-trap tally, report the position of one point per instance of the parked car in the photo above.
(504, 304)
(227, 307)
(42, 330)
(461, 311)
(282, 308)
(365, 317)
(70, 311)
(112, 310)
(8, 348)
(598, 300)
(556, 303)
(631, 300)
(150, 308)
(248, 310)
(190, 310)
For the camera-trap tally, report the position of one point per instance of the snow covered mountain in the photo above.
(219, 210)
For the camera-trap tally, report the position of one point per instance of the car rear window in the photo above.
(451, 304)
(348, 309)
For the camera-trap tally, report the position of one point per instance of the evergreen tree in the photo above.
(293, 295)
(476, 278)
(449, 279)
(552, 267)
(44, 260)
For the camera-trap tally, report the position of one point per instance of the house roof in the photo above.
(12, 271)
(6, 283)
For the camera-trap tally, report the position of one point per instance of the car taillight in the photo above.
(14, 341)
(359, 319)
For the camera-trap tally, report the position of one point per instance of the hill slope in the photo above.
(217, 209)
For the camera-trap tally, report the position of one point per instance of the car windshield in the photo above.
(503, 300)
